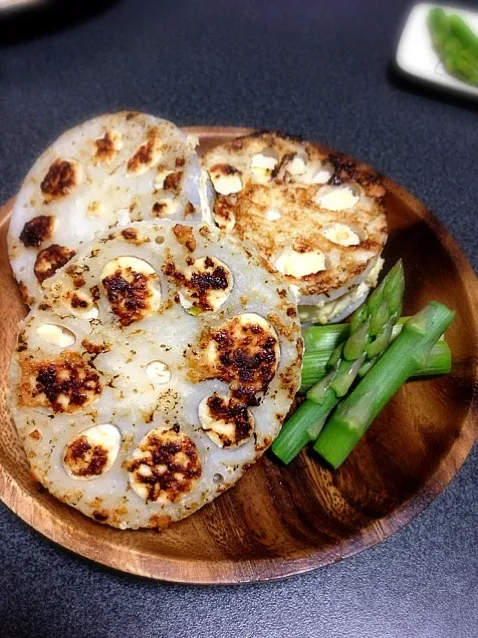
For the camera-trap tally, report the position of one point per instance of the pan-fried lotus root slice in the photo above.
(134, 411)
(112, 170)
(315, 216)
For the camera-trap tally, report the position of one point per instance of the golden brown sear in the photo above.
(185, 236)
(50, 259)
(165, 465)
(172, 181)
(130, 294)
(107, 147)
(85, 459)
(230, 423)
(242, 352)
(65, 384)
(37, 230)
(61, 179)
(146, 155)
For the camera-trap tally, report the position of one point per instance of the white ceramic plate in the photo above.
(415, 53)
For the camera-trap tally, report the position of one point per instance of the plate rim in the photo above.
(227, 571)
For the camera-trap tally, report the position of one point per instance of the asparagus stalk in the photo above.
(303, 427)
(315, 361)
(294, 436)
(370, 333)
(328, 337)
(405, 355)
(382, 308)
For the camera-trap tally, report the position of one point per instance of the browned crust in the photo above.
(232, 411)
(93, 348)
(248, 207)
(50, 259)
(246, 359)
(224, 169)
(83, 459)
(45, 382)
(129, 300)
(144, 155)
(200, 284)
(172, 181)
(60, 180)
(185, 236)
(75, 272)
(174, 463)
(134, 237)
(27, 298)
(37, 230)
(105, 151)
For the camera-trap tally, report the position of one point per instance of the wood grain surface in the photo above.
(281, 521)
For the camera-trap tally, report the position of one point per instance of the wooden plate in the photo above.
(282, 521)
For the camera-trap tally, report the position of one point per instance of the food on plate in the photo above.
(163, 351)
(114, 169)
(455, 43)
(368, 339)
(158, 366)
(317, 217)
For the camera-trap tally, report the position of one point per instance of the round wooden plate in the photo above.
(282, 521)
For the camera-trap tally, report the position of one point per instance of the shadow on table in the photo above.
(49, 16)
(429, 90)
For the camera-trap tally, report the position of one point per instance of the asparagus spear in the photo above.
(370, 333)
(406, 354)
(328, 337)
(322, 341)
(382, 308)
(314, 367)
(303, 427)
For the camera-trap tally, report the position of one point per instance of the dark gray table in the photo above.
(314, 67)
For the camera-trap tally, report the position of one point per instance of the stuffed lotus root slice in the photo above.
(146, 378)
(66, 383)
(205, 285)
(132, 288)
(92, 452)
(94, 177)
(243, 352)
(165, 466)
(291, 191)
(227, 422)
